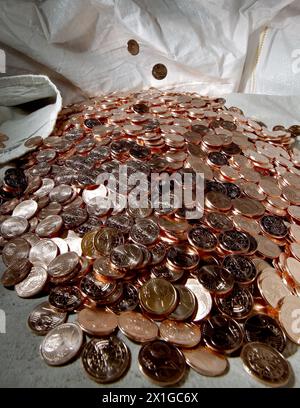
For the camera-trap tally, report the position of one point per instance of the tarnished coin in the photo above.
(25, 209)
(263, 328)
(44, 317)
(180, 333)
(97, 322)
(33, 283)
(129, 299)
(144, 232)
(241, 268)
(202, 239)
(107, 239)
(219, 222)
(63, 265)
(120, 222)
(49, 226)
(234, 241)
(165, 272)
(95, 289)
(205, 361)
(13, 227)
(182, 256)
(238, 304)
(289, 317)
(61, 344)
(216, 279)
(43, 252)
(274, 226)
(158, 297)
(74, 217)
(222, 334)
(65, 298)
(266, 364)
(137, 327)
(203, 298)
(15, 249)
(127, 256)
(161, 362)
(159, 71)
(158, 253)
(105, 360)
(16, 272)
(186, 304)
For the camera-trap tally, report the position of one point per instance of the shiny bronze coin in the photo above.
(44, 317)
(144, 232)
(127, 256)
(241, 268)
(161, 362)
(61, 344)
(16, 272)
(186, 304)
(182, 256)
(65, 298)
(180, 333)
(159, 71)
(128, 301)
(87, 244)
(13, 227)
(248, 207)
(237, 304)
(217, 201)
(96, 290)
(49, 227)
(158, 297)
(216, 279)
(63, 265)
(137, 327)
(205, 362)
(218, 221)
(97, 322)
(271, 287)
(107, 239)
(265, 364)
(267, 248)
(273, 226)
(222, 334)
(105, 360)
(33, 283)
(234, 241)
(202, 239)
(263, 328)
(203, 299)
(289, 317)
(246, 224)
(15, 249)
(102, 269)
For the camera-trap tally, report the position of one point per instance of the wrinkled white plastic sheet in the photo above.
(82, 44)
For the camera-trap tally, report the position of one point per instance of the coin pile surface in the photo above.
(190, 290)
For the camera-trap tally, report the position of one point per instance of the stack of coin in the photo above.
(192, 280)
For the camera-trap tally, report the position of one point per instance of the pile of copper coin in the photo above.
(192, 291)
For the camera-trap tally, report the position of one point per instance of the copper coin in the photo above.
(234, 241)
(186, 304)
(43, 252)
(33, 283)
(127, 256)
(205, 361)
(133, 47)
(218, 221)
(165, 272)
(65, 298)
(95, 289)
(238, 304)
(158, 297)
(137, 327)
(180, 333)
(289, 317)
(248, 207)
(161, 362)
(51, 209)
(13, 227)
(159, 71)
(203, 299)
(267, 248)
(63, 265)
(202, 239)
(25, 209)
(144, 232)
(97, 322)
(107, 239)
(103, 268)
(15, 249)
(217, 201)
(128, 301)
(33, 142)
(266, 364)
(61, 344)
(182, 256)
(292, 267)
(274, 226)
(246, 224)
(49, 226)
(121, 222)
(222, 334)
(44, 317)
(263, 328)
(241, 268)
(158, 252)
(105, 360)
(216, 279)
(16, 272)
(271, 288)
